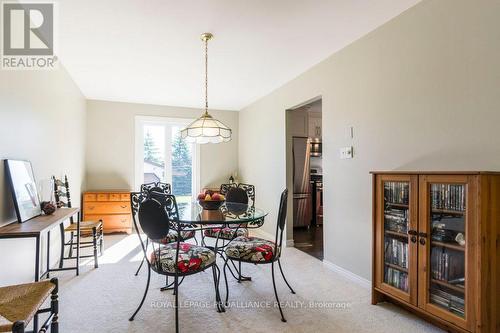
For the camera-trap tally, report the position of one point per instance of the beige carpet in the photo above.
(101, 300)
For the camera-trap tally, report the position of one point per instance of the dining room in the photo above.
(236, 166)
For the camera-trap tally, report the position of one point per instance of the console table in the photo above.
(35, 228)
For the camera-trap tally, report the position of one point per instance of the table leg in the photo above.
(48, 254)
(37, 276)
(37, 258)
(240, 277)
(78, 245)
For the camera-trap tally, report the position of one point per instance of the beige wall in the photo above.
(422, 92)
(42, 119)
(111, 150)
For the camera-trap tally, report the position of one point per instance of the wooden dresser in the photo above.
(112, 207)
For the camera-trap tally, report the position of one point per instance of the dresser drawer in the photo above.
(89, 197)
(112, 221)
(102, 197)
(119, 207)
(114, 197)
(125, 196)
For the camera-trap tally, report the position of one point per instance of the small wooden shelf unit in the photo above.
(455, 286)
(112, 207)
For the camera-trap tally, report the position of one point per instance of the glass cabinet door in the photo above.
(396, 226)
(397, 236)
(443, 247)
(447, 256)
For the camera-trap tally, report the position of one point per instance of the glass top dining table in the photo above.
(228, 213)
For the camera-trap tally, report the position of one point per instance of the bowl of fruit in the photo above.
(210, 200)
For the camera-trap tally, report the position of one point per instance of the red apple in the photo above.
(201, 196)
(216, 196)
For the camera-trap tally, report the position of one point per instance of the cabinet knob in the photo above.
(423, 236)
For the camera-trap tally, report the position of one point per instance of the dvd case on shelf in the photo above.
(396, 252)
(448, 301)
(448, 197)
(396, 278)
(397, 192)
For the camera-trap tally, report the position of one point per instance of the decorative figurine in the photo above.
(48, 207)
(460, 239)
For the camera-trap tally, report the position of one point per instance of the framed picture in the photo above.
(23, 187)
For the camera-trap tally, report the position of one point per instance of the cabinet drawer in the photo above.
(111, 221)
(114, 197)
(102, 197)
(125, 197)
(106, 208)
(89, 197)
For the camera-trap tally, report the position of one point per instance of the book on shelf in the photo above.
(396, 278)
(396, 252)
(448, 197)
(396, 192)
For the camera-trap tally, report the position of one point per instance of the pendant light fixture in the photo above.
(206, 129)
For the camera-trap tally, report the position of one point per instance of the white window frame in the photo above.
(140, 121)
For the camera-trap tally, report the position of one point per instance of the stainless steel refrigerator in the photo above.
(302, 200)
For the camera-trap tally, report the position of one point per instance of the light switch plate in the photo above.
(346, 153)
(349, 132)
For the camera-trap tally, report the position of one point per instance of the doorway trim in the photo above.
(289, 168)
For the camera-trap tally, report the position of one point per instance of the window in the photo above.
(162, 155)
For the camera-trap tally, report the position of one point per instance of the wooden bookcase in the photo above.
(436, 246)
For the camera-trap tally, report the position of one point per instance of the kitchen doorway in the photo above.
(305, 177)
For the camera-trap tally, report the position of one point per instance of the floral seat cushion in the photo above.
(226, 232)
(192, 258)
(251, 249)
(172, 236)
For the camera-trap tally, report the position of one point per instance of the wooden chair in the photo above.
(19, 304)
(237, 193)
(88, 229)
(157, 213)
(259, 251)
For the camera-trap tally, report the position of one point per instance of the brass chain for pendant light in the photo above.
(206, 37)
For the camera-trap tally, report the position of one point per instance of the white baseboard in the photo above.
(348, 274)
(290, 243)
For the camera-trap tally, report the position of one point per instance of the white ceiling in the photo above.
(150, 51)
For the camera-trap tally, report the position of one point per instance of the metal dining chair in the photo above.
(156, 214)
(234, 193)
(172, 236)
(259, 251)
